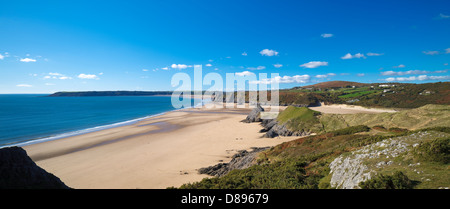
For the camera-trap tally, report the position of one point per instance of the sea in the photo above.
(32, 118)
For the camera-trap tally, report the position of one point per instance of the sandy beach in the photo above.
(158, 152)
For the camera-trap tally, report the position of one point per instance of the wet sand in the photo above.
(159, 152)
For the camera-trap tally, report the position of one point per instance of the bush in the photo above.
(397, 130)
(437, 150)
(379, 128)
(396, 181)
(351, 130)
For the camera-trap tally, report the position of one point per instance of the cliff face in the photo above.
(18, 171)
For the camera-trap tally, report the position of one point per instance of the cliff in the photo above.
(18, 171)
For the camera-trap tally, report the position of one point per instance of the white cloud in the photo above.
(445, 64)
(350, 56)
(145, 70)
(278, 65)
(49, 84)
(314, 64)
(447, 50)
(257, 68)
(24, 85)
(87, 76)
(360, 74)
(27, 60)
(409, 72)
(268, 52)
(1, 56)
(245, 73)
(285, 79)
(400, 66)
(64, 78)
(57, 76)
(373, 54)
(100, 73)
(327, 35)
(208, 65)
(325, 76)
(216, 68)
(417, 78)
(442, 16)
(165, 68)
(244, 54)
(431, 52)
(179, 66)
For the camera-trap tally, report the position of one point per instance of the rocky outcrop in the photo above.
(349, 170)
(273, 128)
(268, 124)
(282, 130)
(254, 115)
(243, 159)
(18, 171)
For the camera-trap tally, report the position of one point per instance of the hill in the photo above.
(391, 95)
(335, 84)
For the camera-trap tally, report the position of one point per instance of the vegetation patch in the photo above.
(300, 118)
(396, 181)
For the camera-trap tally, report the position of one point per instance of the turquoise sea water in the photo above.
(31, 118)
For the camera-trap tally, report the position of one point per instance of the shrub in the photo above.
(397, 130)
(397, 181)
(351, 130)
(437, 150)
(379, 128)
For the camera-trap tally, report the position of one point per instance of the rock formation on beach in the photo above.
(243, 159)
(254, 115)
(18, 171)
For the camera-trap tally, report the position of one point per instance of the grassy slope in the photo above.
(423, 117)
(300, 118)
(304, 163)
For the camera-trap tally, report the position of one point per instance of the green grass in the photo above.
(304, 164)
(358, 94)
(423, 117)
(300, 118)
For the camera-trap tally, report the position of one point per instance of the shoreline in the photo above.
(91, 129)
(155, 153)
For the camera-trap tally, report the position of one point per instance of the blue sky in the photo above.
(49, 46)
